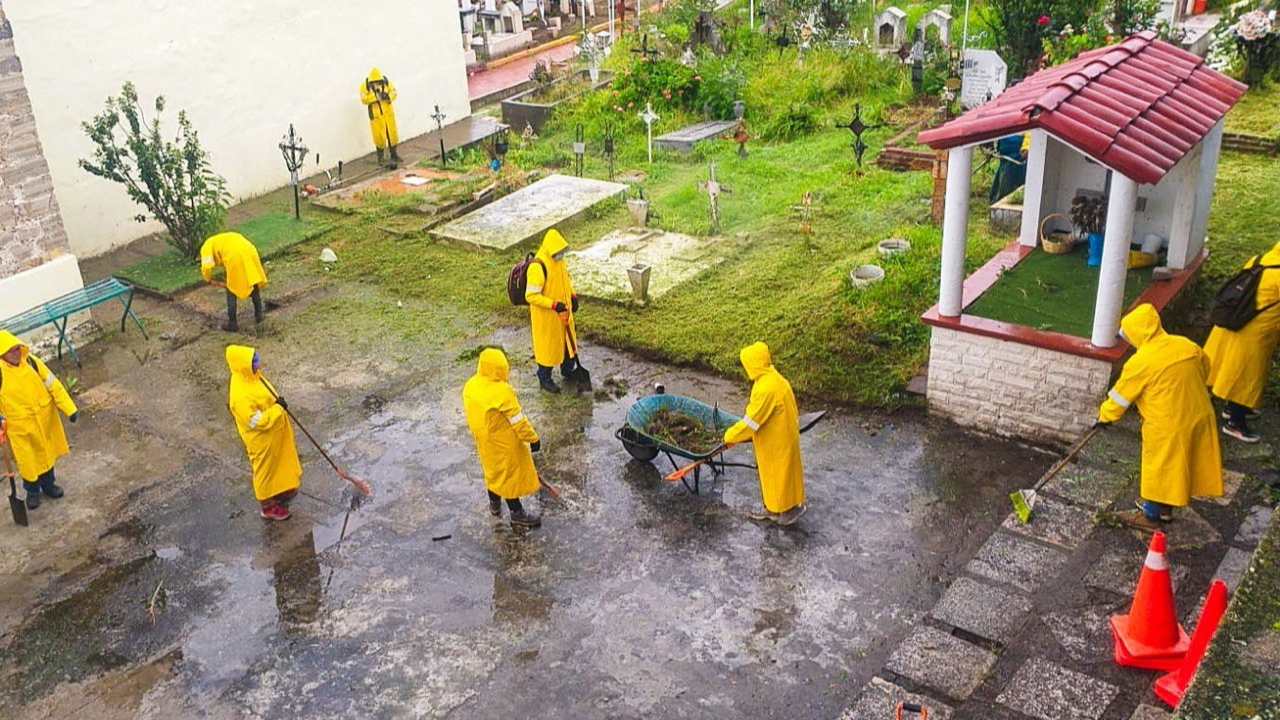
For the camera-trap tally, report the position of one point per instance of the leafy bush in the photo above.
(795, 120)
(721, 85)
(662, 82)
(173, 181)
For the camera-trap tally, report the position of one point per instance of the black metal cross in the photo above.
(857, 127)
(579, 146)
(295, 153)
(439, 118)
(645, 52)
(782, 40)
(609, 150)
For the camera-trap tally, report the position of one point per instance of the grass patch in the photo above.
(1052, 292)
(1257, 113)
(272, 234)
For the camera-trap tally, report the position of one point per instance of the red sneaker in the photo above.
(275, 512)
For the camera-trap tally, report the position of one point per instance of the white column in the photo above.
(1115, 260)
(955, 232)
(1186, 179)
(1211, 148)
(1033, 192)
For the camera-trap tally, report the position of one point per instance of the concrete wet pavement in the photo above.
(154, 590)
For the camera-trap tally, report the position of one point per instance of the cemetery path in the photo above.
(154, 590)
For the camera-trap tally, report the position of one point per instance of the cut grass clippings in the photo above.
(272, 234)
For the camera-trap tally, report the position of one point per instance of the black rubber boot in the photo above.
(258, 311)
(395, 158)
(545, 381)
(33, 495)
(520, 518)
(380, 156)
(495, 505)
(231, 325)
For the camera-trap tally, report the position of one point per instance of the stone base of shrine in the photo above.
(1012, 389)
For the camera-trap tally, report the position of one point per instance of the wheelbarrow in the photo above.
(646, 448)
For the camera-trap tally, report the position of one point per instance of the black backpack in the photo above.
(1237, 302)
(518, 280)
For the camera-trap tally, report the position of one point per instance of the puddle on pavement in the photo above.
(634, 595)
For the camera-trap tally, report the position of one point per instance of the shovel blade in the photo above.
(16, 506)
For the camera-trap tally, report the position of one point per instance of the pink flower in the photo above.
(1044, 20)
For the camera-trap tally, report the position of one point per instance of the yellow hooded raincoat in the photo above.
(30, 398)
(264, 427)
(1239, 361)
(772, 423)
(1165, 377)
(238, 257)
(501, 430)
(382, 116)
(544, 290)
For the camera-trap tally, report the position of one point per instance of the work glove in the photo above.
(575, 303)
(74, 416)
(560, 307)
(535, 446)
(283, 405)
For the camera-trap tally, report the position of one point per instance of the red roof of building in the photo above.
(1136, 107)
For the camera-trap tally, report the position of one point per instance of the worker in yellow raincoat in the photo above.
(1166, 377)
(377, 93)
(505, 439)
(30, 398)
(245, 276)
(552, 306)
(772, 424)
(1240, 360)
(264, 426)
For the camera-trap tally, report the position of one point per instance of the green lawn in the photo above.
(272, 233)
(1052, 292)
(1257, 113)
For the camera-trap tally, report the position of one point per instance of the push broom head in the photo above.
(1023, 501)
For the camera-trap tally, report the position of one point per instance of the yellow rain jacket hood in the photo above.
(555, 335)
(772, 424)
(500, 428)
(263, 426)
(1240, 360)
(30, 398)
(238, 258)
(1165, 377)
(382, 116)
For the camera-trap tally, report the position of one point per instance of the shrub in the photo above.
(173, 181)
(662, 82)
(721, 85)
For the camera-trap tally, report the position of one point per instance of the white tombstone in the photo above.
(891, 27)
(512, 18)
(984, 76)
(940, 19)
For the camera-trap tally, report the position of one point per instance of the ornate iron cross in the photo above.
(857, 127)
(295, 153)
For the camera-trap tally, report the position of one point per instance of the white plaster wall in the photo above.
(242, 69)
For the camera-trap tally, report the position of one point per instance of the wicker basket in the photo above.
(1057, 242)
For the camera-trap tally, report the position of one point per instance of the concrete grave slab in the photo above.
(600, 271)
(1022, 563)
(879, 699)
(1054, 521)
(685, 138)
(1188, 531)
(394, 183)
(1231, 481)
(1149, 712)
(530, 212)
(1049, 691)
(1088, 486)
(1263, 652)
(1117, 571)
(1084, 633)
(942, 662)
(984, 610)
(1253, 527)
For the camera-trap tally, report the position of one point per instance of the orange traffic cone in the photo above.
(1172, 686)
(1150, 636)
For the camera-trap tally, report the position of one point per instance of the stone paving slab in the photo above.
(984, 610)
(1049, 691)
(1022, 563)
(685, 138)
(1088, 486)
(529, 212)
(879, 698)
(942, 662)
(1253, 527)
(1113, 449)
(600, 271)
(1083, 633)
(1231, 571)
(1231, 481)
(1234, 451)
(1054, 521)
(1117, 570)
(1188, 531)
(1149, 712)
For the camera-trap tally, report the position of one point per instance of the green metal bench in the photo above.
(58, 310)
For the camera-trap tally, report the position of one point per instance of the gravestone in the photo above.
(891, 28)
(685, 138)
(940, 19)
(983, 77)
(530, 212)
(600, 270)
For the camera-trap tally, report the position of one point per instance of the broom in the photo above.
(1024, 500)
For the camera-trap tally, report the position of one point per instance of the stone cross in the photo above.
(713, 189)
(649, 117)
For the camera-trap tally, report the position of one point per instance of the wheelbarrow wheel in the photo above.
(637, 445)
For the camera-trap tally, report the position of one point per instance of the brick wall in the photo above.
(1014, 390)
(31, 229)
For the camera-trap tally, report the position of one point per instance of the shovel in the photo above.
(16, 506)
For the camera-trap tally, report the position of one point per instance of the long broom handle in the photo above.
(303, 428)
(1071, 454)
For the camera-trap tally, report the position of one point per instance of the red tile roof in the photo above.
(1136, 107)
